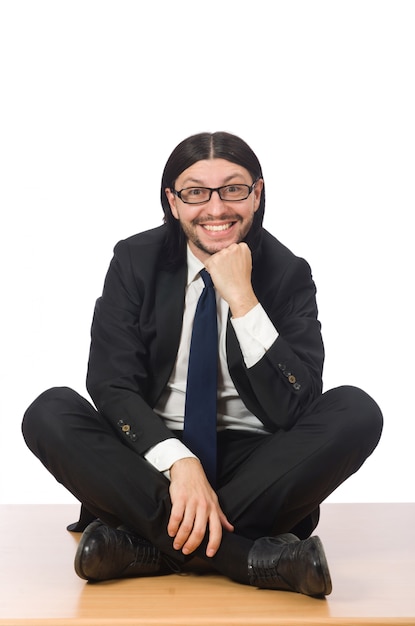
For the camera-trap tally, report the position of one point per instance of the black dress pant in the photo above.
(267, 484)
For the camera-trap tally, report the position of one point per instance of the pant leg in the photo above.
(282, 482)
(83, 453)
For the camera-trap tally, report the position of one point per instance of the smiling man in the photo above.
(211, 436)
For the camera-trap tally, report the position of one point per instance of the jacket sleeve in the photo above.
(118, 367)
(288, 378)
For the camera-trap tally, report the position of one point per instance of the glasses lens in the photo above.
(234, 192)
(195, 195)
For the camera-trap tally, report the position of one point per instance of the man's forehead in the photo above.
(218, 169)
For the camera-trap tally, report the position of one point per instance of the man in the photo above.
(157, 489)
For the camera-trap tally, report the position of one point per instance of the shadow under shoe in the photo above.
(286, 563)
(106, 553)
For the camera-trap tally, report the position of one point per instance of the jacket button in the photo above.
(297, 386)
(126, 428)
(292, 379)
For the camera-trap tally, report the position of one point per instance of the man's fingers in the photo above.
(176, 518)
(225, 522)
(182, 537)
(215, 535)
(185, 529)
(193, 529)
(203, 525)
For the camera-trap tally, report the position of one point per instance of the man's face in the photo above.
(216, 224)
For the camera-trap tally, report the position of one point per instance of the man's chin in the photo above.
(212, 248)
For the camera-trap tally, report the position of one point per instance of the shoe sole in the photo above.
(323, 565)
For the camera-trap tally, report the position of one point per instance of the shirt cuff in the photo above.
(164, 454)
(255, 333)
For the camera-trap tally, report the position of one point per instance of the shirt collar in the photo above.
(193, 266)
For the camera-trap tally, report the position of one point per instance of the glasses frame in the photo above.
(217, 189)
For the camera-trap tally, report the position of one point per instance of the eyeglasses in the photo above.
(200, 195)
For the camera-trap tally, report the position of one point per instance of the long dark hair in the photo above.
(219, 145)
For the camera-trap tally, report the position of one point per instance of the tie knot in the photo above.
(206, 278)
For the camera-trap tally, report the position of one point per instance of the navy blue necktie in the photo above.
(202, 379)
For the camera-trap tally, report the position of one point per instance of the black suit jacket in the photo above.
(136, 332)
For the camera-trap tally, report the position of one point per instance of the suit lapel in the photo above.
(170, 293)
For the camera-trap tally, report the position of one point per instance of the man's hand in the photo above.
(231, 270)
(195, 509)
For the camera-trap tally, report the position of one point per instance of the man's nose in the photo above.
(215, 204)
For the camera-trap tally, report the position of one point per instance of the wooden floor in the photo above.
(370, 549)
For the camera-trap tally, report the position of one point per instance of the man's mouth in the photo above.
(217, 227)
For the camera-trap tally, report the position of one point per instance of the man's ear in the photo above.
(259, 185)
(172, 202)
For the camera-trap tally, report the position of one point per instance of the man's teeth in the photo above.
(218, 227)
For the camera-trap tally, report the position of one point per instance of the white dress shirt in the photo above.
(255, 333)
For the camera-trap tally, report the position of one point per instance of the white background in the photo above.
(96, 94)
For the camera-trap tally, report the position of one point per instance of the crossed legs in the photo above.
(268, 484)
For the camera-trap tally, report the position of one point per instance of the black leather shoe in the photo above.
(284, 562)
(104, 553)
